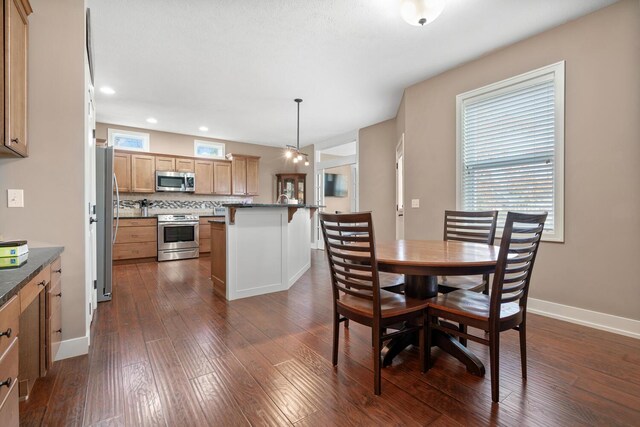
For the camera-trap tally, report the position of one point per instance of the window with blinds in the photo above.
(511, 147)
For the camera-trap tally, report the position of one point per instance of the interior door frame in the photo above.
(400, 199)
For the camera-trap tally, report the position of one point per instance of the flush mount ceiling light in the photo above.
(203, 129)
(152, 120)
(107, 90)
(421, 12)
(292, 152)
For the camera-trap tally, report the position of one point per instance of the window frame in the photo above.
(113, 133)
(557, 71)
(199, 142)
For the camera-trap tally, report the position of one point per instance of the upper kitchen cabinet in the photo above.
(222, 178)
(185, 165)
(143, 169)
(245, 174)
(204, 176)
(14, 85)
(122, 171)
(165, 163)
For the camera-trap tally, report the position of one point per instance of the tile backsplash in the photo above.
(175, 203)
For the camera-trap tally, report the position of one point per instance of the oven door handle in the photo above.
(177, 224)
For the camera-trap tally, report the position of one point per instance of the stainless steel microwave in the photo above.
(175, 181)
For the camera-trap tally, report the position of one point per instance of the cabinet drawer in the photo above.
(9, 319)
(137, 235)
(56, 272)
(205, 245)
(34, 287)
(9, 412)
(205, 231)
(135, 250)
(136, 222)
(9, 369)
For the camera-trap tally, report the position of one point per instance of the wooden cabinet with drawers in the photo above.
(9, 361)
(136, 238)
(218, 236)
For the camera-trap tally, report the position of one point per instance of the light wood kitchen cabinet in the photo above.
(136, 239)
(122, 171)
(54, 314)
(222, 178)
(218, 236)
(14, 107)
(143, 171)
(184, 165)
(9, 360)
(245, 173)
(165, 163)
(204, 176)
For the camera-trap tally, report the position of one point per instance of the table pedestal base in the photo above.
(424, 287)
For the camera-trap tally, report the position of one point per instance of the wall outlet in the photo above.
(415, 203)
(15, 198)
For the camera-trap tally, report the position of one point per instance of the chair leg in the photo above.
(376, 362)
(346, 323)
(422, 342)
(462, 328)
(494, 356)
(336, 338)
(522, 331)
(427, 343)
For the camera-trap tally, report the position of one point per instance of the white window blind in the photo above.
(510, 145)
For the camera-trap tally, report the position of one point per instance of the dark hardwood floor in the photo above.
(167, 351)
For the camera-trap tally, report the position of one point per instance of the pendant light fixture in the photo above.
(421, 12)
(294, 152)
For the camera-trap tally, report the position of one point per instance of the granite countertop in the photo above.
(13, 279)
(267, 205)
(154, 216)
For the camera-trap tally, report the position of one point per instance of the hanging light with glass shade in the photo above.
(292, 152)
(421, 12)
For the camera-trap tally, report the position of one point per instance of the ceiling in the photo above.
(235, 66)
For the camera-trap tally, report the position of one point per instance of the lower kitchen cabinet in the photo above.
(136, 238)
(219, 257)
(30, 336)
(205, 235)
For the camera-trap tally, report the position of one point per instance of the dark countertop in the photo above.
(267, 205)
(217, 221)
(154, 216)
(13, 279)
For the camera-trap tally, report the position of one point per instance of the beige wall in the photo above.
(595, 268)
(53, 175)
(272, 159)
(376, 162)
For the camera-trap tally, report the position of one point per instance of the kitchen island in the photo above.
(260, 248)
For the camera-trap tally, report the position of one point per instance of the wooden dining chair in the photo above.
(475, 227)
(357, 296)
(506, 307)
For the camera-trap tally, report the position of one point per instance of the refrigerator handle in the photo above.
(115, 234)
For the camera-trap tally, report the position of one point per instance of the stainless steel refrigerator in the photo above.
(107, 206)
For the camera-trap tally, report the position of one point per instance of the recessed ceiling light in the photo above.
(107, 90)
(203, 128)
(152, 120)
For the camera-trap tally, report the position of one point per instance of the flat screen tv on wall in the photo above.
(335, 185)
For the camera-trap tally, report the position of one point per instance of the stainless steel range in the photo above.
(178, 237)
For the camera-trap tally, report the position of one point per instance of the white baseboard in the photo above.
(299, 274)
(593, 319)
(73, 347)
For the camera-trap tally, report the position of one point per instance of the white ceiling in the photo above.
(235, 66)
(348, 149)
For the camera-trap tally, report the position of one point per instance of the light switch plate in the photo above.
(15, 198)
(415, 203)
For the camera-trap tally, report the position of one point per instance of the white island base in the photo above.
(267, 249)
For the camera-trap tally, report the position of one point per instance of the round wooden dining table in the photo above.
(421, 262)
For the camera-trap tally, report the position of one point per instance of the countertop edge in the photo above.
(269, 205)
(14, 291)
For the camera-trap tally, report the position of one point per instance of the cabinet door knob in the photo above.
(59, 331)
(43, 283)
(58, 295)
(6, 382)
(58, 271)
(15, 140)
(6, 333)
